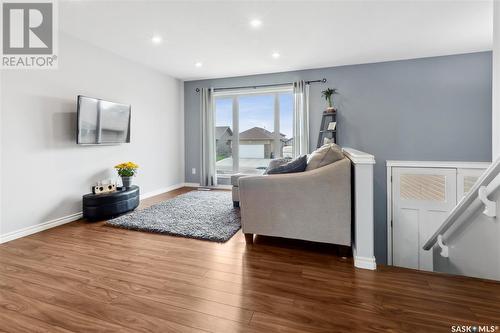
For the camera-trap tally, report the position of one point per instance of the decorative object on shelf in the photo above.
(328, 94)
(328, 129)
(104, 187)
(127, 170)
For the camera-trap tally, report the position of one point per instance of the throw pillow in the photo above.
(277, 162)
(297, 165)
(326, 154)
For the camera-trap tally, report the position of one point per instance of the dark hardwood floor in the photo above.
(87, 277)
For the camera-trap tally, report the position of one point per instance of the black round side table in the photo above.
(101, 206)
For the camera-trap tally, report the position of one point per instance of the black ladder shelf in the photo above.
(324, 132)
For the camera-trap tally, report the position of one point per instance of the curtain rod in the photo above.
(265, 85)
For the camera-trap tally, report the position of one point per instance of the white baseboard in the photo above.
(365, 263)
(224, 187)
(191, 184)
(161, 191)
(73, 217)
(39, 227)
(218, 187)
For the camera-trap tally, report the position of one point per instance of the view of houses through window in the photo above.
(251, 130)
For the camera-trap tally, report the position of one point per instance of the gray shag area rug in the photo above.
(207, 215)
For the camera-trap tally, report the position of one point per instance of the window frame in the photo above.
(234, 95)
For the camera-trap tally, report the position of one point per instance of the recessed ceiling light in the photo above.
(156, 39)
(276, 55)
(255, 23)
(198, 64)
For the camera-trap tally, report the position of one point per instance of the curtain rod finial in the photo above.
(324, 80)
(197, 89)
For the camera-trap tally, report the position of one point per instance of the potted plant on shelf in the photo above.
(127, 170)
(327, 94)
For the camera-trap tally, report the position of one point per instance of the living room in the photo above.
(253, 166)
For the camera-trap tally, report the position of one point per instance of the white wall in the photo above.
(496, 82)
(44, 172)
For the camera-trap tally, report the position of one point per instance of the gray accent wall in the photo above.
(436, 108)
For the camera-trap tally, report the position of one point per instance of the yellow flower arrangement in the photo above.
(127, 169)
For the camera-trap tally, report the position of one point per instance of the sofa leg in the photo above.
(236, 204)
(249, 238)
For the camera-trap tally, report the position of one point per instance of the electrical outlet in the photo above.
(193, 171)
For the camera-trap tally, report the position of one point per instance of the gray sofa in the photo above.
(313, 205)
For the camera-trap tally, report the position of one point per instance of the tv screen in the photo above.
(102, 122)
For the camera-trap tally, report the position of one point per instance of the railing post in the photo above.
(363, 247)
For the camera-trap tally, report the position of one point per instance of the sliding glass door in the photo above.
(252, 128)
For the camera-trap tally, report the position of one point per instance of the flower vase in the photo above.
(127, 182)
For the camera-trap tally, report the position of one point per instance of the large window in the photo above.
(252, 128)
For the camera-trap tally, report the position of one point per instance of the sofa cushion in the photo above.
(276, 163)
(326, 154)
(297, 165)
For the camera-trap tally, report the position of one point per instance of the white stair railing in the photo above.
(487, 184)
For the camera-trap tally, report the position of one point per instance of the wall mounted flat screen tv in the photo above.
(102, 122)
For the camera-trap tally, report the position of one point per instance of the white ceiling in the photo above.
(307, 34)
